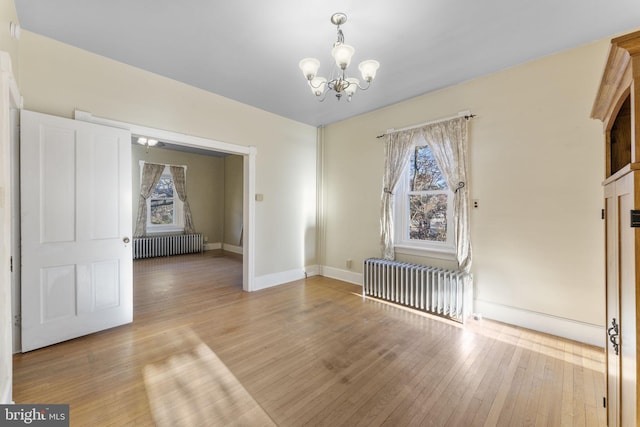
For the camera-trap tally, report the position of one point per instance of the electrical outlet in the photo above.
(476, 203)
(349, 263)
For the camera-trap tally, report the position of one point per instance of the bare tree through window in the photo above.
(428, 198)
(162, 202)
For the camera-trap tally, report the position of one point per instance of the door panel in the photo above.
(58, 293)
(101, 167)
(106, 290)
(76, 214)
(57, 158)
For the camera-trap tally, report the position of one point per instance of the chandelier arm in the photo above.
(365, 87)
(324, 95)
(331, 84)
(315, 87)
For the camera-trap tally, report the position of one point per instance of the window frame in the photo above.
(403, 244)
(178, 209)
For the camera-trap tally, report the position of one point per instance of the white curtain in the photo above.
(151, 174)
(397, 151)
(180, 182)
(448, 143)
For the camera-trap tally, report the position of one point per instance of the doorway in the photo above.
(194, 143)
(214, 186)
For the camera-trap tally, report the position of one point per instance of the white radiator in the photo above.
(174, 244)
(433, 290)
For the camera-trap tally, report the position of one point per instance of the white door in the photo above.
(76, 229)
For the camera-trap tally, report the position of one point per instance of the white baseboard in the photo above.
(344, 275)
(224, 246)
(313, 270)
(232, 248)
(567, 328)
(275, 279)
(212, 246)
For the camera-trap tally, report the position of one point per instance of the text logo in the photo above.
(34, 415)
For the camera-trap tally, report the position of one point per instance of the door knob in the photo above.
(613, 332)
(126, 240)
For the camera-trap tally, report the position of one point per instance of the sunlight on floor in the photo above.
(194, 387)
(566, 350)
(590, 358)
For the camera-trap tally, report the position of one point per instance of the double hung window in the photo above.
(164, 208)
(424, 208)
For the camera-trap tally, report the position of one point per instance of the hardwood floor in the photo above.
(313, 352)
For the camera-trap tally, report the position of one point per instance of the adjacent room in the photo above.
(433, 223)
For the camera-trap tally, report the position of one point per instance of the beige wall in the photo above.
(233, 184)
(8, 14)
(205, 186)
(536, 165)
(57, 79)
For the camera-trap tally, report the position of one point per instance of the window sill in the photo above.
(164, 230)
(444, 253)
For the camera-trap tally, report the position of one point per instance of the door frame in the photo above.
(10, 100)
(249, 178)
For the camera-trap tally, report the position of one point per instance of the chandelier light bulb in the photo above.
(342, 53)
(309, 67)
(147, 141)
(368, 69)
(352, 87)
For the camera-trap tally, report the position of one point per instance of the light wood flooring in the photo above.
(313, 352)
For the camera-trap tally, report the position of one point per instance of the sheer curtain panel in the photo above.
(180, 182)
(151, 174)
(397, 151)
(448, 143)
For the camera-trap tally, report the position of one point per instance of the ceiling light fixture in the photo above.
(147, 141)
(339, 83)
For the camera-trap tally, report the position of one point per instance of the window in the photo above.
(164, 208)
(424, 208)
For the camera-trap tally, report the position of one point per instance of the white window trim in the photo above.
(404, 245)
(178, 209)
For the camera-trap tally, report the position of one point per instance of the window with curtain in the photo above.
(164, 207)
(424, 207)
(419, 212)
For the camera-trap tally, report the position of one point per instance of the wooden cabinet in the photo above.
(617, 104)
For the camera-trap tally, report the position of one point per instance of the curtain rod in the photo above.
(466, 114)
(142, 162)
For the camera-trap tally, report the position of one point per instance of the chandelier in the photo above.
(338, 80)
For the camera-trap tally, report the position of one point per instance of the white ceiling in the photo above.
(248, 50)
